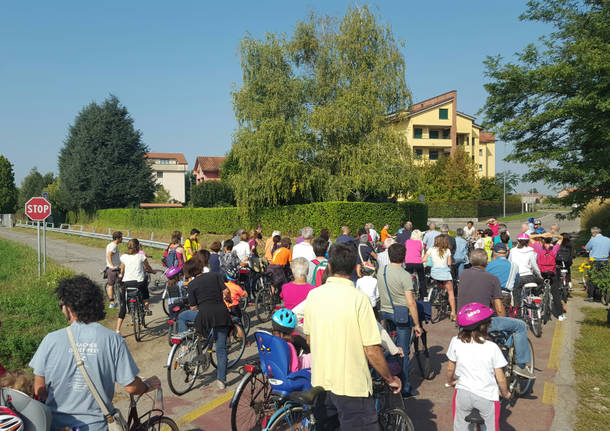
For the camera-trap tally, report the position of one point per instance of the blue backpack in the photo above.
(170, 258)
(274, 355)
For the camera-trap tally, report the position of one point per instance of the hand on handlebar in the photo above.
(153, 383)
(395, 384)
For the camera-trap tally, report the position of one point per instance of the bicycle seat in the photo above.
(475, 417)
(531, 285)
(308, 397)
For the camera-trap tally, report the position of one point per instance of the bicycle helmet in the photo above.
(172, 271)
(537, 221)
(531, 219)
(284, 320)
(523, 236)
(9, 421)
(471, 315)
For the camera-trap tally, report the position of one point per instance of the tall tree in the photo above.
(8, 190)
(312, 114)
(553, 104)
(102, 163)
(33, 185)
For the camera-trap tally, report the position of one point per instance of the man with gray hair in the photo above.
(477, 285)
(599, 249)
(430, 236)
(304, 248)
(404, 234)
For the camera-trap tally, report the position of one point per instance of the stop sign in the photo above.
(37, 209)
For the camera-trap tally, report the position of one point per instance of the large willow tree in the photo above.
(312, 114)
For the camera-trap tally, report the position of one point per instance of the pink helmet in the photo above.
(523, 236)
(471, 315)
(172, 271)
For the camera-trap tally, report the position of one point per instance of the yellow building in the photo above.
(434, 128)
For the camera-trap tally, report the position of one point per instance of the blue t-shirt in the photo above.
(507, 272)
(107, 360)
(429, 238)
(497, 240)
(461, 250)
(599, 247)
(214, 263)
(345, 239)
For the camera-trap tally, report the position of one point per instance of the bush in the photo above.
(212, 194)
(288, 219)
(465, 209)
(597, 214)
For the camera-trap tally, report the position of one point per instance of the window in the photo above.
(433, 134)
(419, 153)
(446, 133)
(480, 153)
(163, 162)
(480, 168)
(443, 114)
(467, 140)
(433, 155)
(417, 132)
(473, 157)
(159, 175)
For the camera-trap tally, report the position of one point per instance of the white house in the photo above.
(169, 170)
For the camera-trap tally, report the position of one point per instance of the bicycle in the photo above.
(266, 299)
(439, 300)
(158, 421)
(517, 385)
(531, 308)
(422, 357)
(135, 307)
(546, 296)
(565, 284)
(191, 354)
(177, 307)
(297, 412)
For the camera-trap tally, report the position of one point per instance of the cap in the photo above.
(500, 248)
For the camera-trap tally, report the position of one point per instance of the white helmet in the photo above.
(9, 421)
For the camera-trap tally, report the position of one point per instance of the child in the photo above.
(284, 323)
(473, 363)
(367, 284)
(232, 301)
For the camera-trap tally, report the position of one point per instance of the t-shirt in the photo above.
(268, 247)
(134, 268)
(107, 360)
(115, 260)
(368, 286)
(429, 238)
(338, 361)
(345, 239)
(403, 236)
(384, 234)
(476, 285)
(506, 272)
(494, 228)
(374, 235)
(293, 294)
(303, 249)
(414, 248)
(498, 240)
(383, 259)
(399, 281)
(214, 262)
(439, 261)
(364, 253)
(193, 244)
(475, 365)
(236, 293)
(241, 250)
(282, 256)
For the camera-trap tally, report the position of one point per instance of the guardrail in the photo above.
(67, 229)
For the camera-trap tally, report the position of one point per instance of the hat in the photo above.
(500, 248)
(523, 236)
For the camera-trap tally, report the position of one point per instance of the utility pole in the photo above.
(504, 203)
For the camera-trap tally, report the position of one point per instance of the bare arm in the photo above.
(40, 388)
(374, 354)
(499, 307)
(122, 270)
(138, 387)
(109, 260)
(451, 380)
(412, 305)
(501, 379)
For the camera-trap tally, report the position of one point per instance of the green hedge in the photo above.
(455, 209)
(288, 219)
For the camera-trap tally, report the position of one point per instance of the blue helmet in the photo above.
(284, 320)
(531, 219)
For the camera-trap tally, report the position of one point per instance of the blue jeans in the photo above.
(403, 340)
(519, 330)
(186, 316)
(220, 338)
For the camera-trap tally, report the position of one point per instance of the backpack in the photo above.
(546, 259)
(170, 258)
(564, 255)
(318, 270)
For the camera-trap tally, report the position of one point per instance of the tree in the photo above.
(8, 190)
(552, 103)
(162, 196)
(312, 115)
(212, 194)
(102, 164)
(33, 185)
(189, 182)
(492, 188)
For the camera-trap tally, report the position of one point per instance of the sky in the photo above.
(174, 64)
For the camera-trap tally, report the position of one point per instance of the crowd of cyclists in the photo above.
(348, 310)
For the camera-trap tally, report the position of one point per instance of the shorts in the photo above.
(441, 273)
(112, 276)
(463, 403)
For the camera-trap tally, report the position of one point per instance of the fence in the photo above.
(68, 229)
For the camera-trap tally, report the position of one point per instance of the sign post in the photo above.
(38, 209)
(45, 195)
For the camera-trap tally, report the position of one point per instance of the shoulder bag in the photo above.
(115, 420)
(401, 313)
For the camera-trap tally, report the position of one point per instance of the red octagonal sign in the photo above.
(37, 209)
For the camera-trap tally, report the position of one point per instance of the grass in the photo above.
(520, 216)
(593, 371)
(28, 306)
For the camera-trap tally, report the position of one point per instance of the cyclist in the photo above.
(477, 285)
(280, 264)
(538, 229)
(305, 248)
(460, 256)
(269, 244)
(507, 272)
(430, 236)
(113, 263)
(232, 301)
(295, 292)
(478, 364)
(174, 254)
(57, 380)
(229, 262)
(413, 261)
(318, 265)
(547, 254)
(441, 264)
(284, 323)
(494, 226)
(565, 256)
(470, 233)
(525, 259)
(191, 245)
(599, 250)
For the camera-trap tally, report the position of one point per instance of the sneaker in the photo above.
(562, 318)
(220, 385)
(112, 305)
(524, 372)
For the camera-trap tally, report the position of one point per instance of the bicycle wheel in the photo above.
(165, 305)
(546, 308)
(156, 285)
(235, 347)
(159, 423)
(535, 321)
(135, 320)
(395, 420)
(264, 305)
(142, 314)
(525, 385)
(245, 321)
(290, 418)
(184, 364)
(251, 406)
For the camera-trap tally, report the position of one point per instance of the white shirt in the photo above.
(475, 365)
(115, 260)
(526, 260)
(134, 268)
(242, 250)
(374, 235)
(469, 233)
(368, 286)
(303, 249)
(383, 259)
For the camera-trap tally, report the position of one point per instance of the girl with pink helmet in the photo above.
(475, 369)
